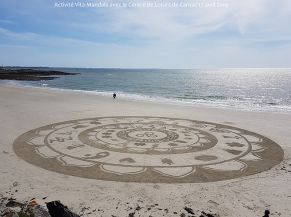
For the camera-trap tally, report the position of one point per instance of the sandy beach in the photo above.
(23, 109)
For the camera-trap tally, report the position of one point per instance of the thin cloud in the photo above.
(18, 36)
(147, 37)
(48, 40)
(180, 23)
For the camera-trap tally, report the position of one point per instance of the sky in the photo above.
(146, 33)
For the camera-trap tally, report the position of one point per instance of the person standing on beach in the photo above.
(114, 95)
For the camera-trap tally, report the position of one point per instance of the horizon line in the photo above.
(155, 68)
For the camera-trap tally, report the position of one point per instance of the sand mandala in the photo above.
(148, 149)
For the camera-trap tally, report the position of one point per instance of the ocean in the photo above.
(254, 89)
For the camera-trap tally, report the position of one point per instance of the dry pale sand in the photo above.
(23, 109)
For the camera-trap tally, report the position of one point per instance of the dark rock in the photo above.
(131, 214)
(30, 74)
(189, 210)
(15, 184)
(267, 212)
(204, 214)
(13, 203)
(57, 209)
(8, 214)
(39, 211)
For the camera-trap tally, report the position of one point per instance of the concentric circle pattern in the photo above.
(148, 149)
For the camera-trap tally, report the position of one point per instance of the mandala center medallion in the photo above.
(148, 149)
(147, 138)
(147, 135)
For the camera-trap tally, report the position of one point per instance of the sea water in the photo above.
(259, 89)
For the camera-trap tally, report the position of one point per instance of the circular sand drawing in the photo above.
(148, 149)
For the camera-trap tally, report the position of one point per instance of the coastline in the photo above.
(26, 108)
(30, 74)
(224, 105)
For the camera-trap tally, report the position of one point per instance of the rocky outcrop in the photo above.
(30, 74)
(9, 207)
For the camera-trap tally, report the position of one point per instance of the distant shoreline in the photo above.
(28, 74)
(128, 98)
(248, 90)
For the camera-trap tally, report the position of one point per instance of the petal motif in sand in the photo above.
(257, 147)
(69, 161)
(46, 152)
(44, 132)
(121, 170)
(227, 166)
(175, 171)
(252, 139)
(251, 157)
(37, 141)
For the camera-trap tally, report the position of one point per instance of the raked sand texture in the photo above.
(114, 155)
